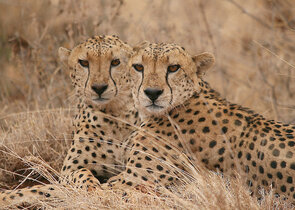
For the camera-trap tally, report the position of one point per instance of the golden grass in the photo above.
(253, 42)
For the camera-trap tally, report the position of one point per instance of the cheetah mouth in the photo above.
(100, 100)
(154, 106)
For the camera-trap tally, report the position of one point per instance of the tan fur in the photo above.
(200, 127)
(100, 135)
(222, 136)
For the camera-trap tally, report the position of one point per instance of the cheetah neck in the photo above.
(121, 108)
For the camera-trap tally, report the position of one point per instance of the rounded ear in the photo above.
(203, 61)
(141, 45)
(63, 54)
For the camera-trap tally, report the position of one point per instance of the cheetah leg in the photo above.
(30, 195)
(82, 178)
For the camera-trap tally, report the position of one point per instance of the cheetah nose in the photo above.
(99, 89)
(153, 93)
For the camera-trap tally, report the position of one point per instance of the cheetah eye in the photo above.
(173, 68)
(138, 67)
(115, 62)
(84, 63)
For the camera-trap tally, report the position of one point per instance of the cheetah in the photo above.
(100, 79)
(181, 109)
(101, 82)
(186, 123)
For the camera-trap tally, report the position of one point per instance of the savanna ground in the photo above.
(253, 42)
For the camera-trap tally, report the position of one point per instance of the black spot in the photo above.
(168, 147)
(261, 169)
(238, 122)
(212, 144)
(239, 115)
(260, 155)
(290, 179)
(190, 122)
(276, 152)
(280, 175)
(248, 156)
(218, 114)
(202, 119)
(93, 154)
(224, 130)
(225, 121)
(138, 165)
(282, 145)
(128, 183)
(148, 158)
(263, 142)
(221, 151)
(191, 131)
(206, 129)
(188, 111)
(283, 164)
(160, 168)
(273, 164)
(155, 150)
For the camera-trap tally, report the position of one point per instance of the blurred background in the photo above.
(253, 41)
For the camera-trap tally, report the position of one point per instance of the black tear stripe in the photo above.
(169, 88)
(142, 76)
(88, 70)
(110, 72)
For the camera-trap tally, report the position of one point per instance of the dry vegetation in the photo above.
(253, 42)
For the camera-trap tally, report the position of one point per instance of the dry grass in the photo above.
(253, 42)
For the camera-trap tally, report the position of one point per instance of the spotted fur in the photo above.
(103, 120)
(188, 122)
(192, 117)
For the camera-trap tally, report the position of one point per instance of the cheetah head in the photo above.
(165, 76)
(98, 68)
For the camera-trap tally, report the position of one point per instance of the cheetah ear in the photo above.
(141, 45)
(203, 61)
(64, 54)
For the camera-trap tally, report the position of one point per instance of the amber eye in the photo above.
(84, 63)
(138, 67)
(173, 68)
(115, 62)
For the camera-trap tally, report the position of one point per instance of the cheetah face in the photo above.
(99, 68)
(165, 76)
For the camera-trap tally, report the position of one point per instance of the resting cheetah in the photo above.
(183, 115)
(182, 110)
(102, 85)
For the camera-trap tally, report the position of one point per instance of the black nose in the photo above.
(153, 93)
(99, 89)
